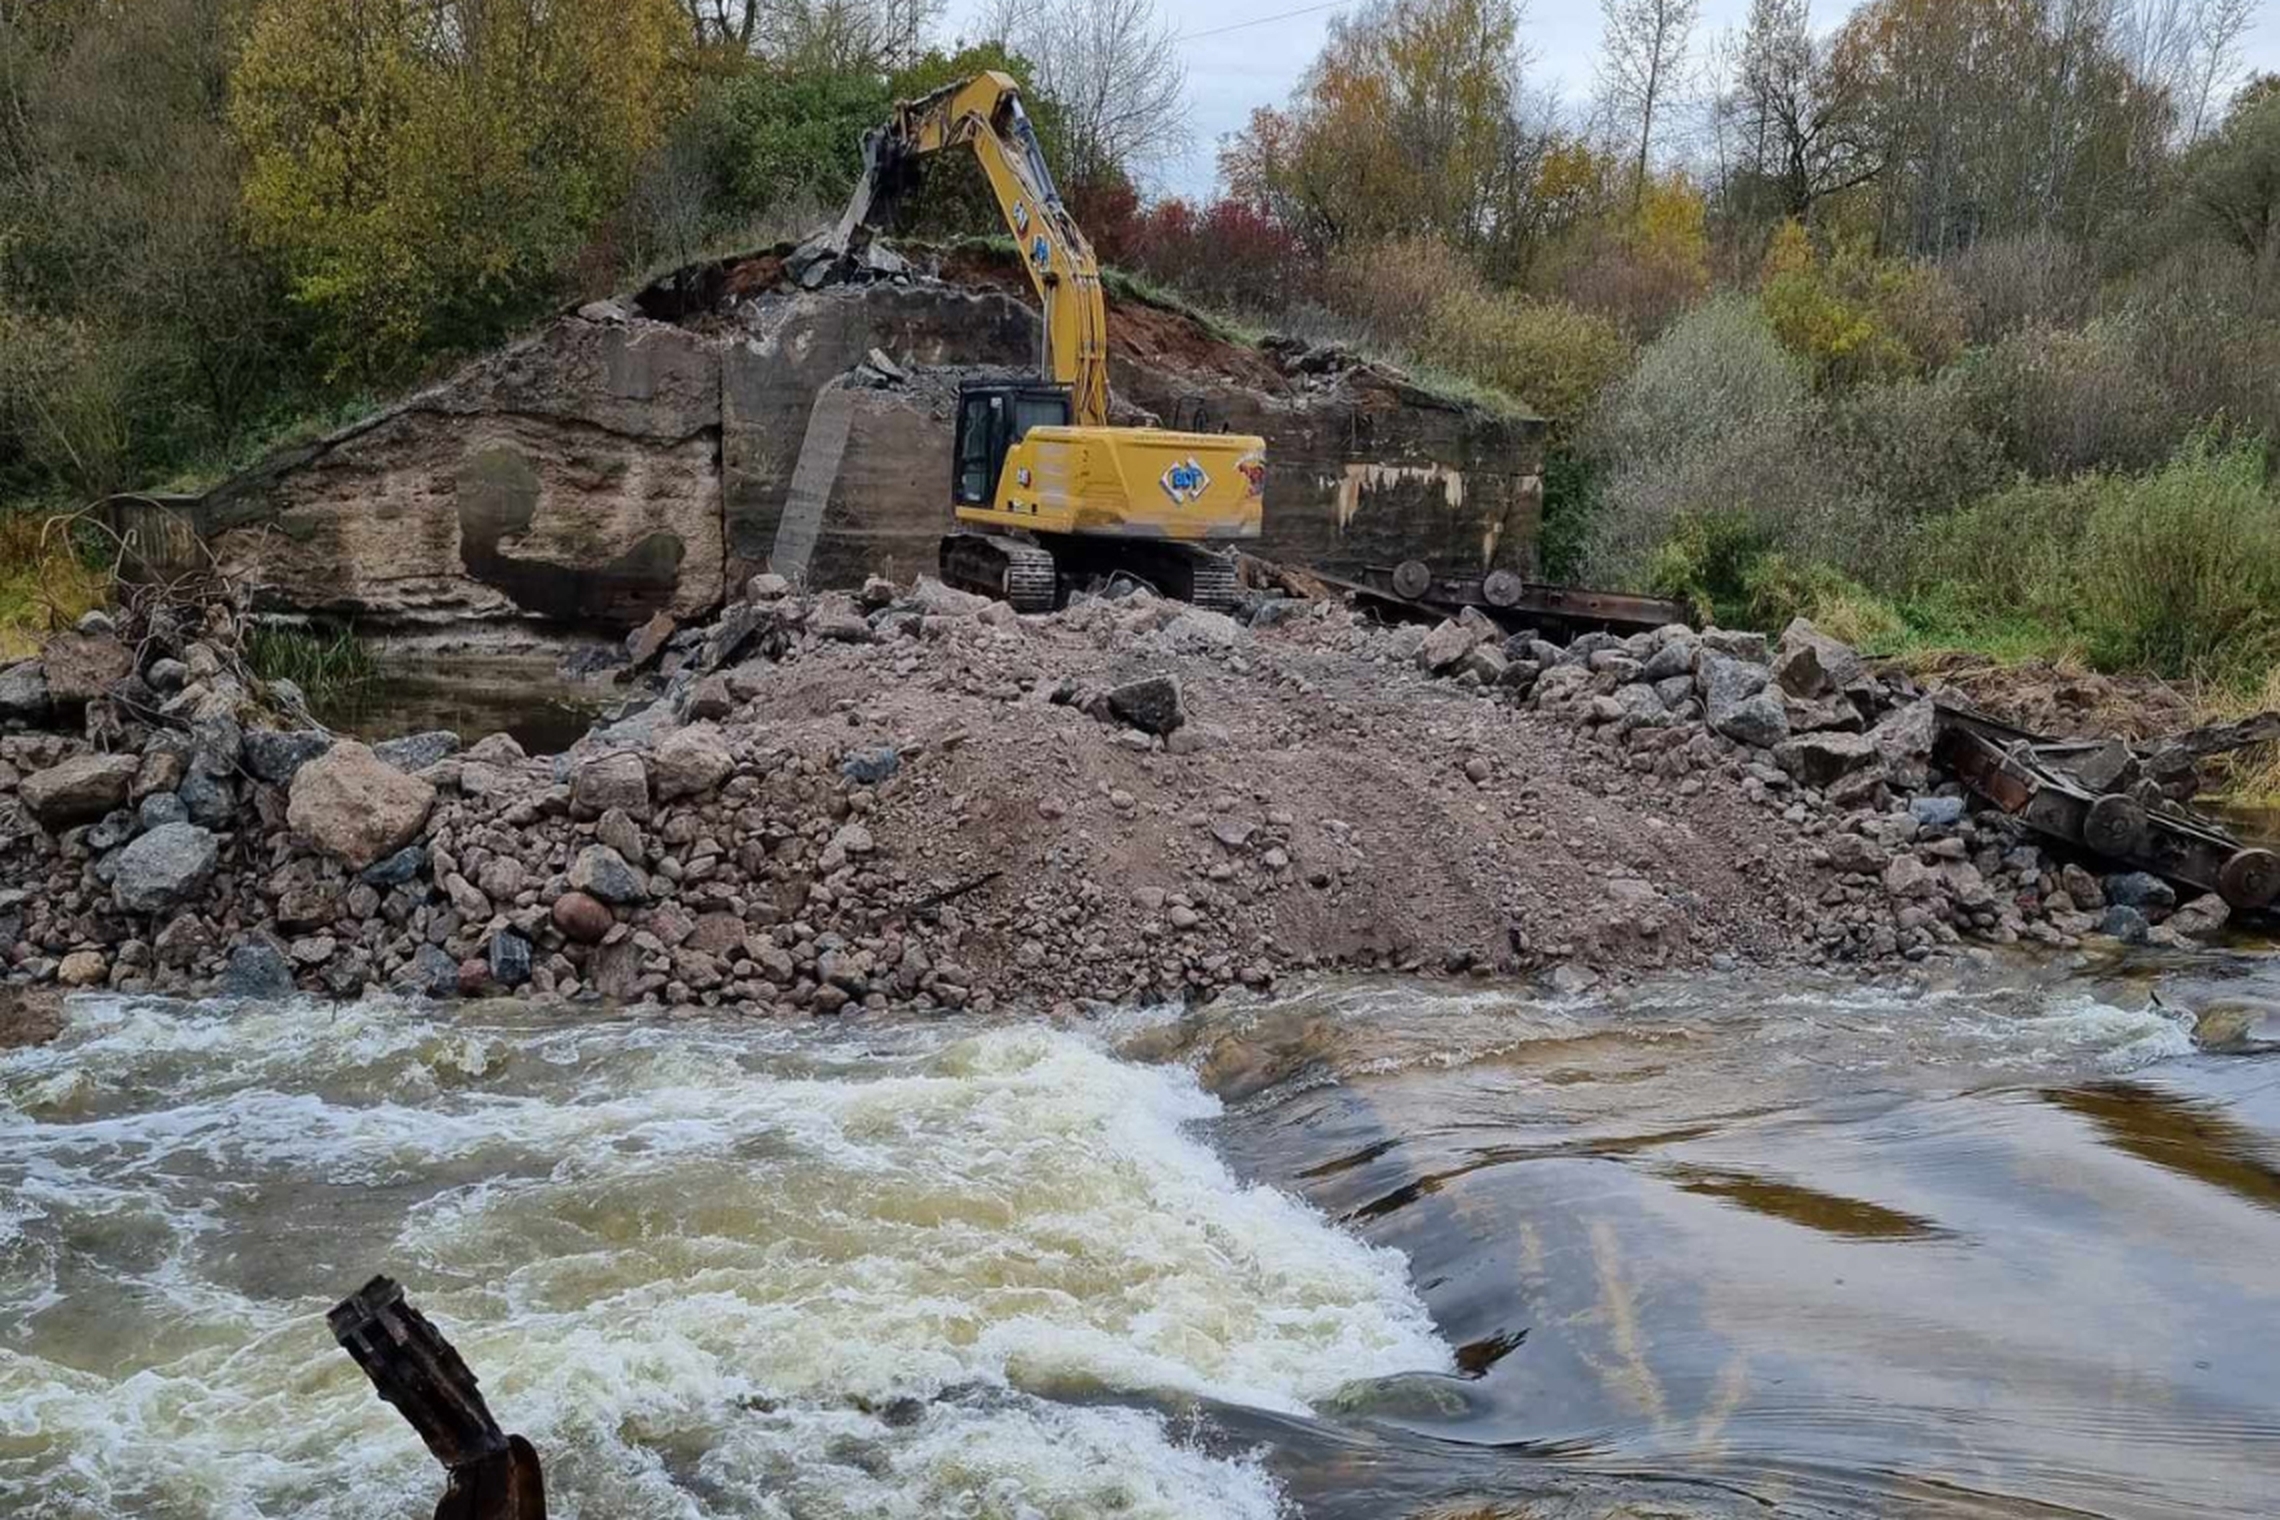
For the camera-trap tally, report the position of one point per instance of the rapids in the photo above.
(1371, 1249)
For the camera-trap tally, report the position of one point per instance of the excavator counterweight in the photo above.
(1044, 491)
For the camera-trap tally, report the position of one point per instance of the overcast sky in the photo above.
(1254, 65)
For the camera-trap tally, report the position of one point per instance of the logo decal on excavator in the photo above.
(1021, 217)
(1185, 480)
(1041, 252)
(1253, 468)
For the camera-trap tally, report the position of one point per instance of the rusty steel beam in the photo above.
(2006, 767)
(493, 1475)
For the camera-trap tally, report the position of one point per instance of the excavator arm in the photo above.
(985, 113)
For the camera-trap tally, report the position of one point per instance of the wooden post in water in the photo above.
(494, 1476)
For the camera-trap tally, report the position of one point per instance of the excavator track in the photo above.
(1009, 569)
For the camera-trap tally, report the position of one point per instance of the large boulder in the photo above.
(611, 781)
(257, 969)
(355, 806)
(1822, 759)
(1757, 721)
(80, 790)
(163, 867)
(1809, 664)
(82, 667)
(1904, 745)
(691, 762)
(24, 692)
(1447, 645)
(602, 874)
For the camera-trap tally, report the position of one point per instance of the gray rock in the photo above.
(1675, 658)
(217, 744)
(160, 809)
(1820, 760)
(1151, 704)
(510, 958)
(24, 692)
(429, 973)
(869, 767)
(115, 829)
(1759, 721)
(1904, 745)
(601, 873)
(1810, 665)
(1936, 812)
(167, 675)
(2125, 924)
(1735, 644)
(1583, 646)
(209, 799)
(257, 969)
(164, 866)
(276, 756)
(1674, 689)
(394, 870)
(416, 752)
(80, 790)
(2140, 889)
(1726, 683)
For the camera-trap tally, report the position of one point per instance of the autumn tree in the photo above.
(2234, 184)
(1642, 63)
(426, 169)
(1999, 116)
(1412, 119)
(1114, 69)
(1794, 116)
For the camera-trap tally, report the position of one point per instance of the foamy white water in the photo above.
(728, 1270)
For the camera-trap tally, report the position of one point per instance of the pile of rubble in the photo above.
(913, 798)
(1845, 753)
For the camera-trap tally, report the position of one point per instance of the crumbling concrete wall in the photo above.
(615, 464)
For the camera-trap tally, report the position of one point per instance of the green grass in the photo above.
(327, 666)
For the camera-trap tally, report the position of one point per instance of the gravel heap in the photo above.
(913, 798)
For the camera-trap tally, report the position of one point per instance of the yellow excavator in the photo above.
(1045, 493)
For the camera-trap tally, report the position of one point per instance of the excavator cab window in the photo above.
(991, 419)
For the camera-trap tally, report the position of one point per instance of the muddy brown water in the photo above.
(1732, 1246)
(472, 696)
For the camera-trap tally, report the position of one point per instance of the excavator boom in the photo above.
(985, 113)
(1046, 493)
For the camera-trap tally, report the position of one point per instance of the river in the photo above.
(1367, 1250)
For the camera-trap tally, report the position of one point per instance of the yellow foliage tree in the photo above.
(427, 169)
(1853, 316)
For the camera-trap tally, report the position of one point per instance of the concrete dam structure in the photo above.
(650, 453)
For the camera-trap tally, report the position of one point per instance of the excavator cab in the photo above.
(992, 417)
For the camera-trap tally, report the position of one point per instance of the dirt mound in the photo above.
(2061, 700)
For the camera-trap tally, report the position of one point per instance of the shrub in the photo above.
(2028, 279)
(1555, 357)
(2208, 330)
(1717, 371)
(2065, 402)
(1911, 444)
(1853, 317)
(2175, 571)
(1392, 287)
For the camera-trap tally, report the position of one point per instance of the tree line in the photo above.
(224, 220)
